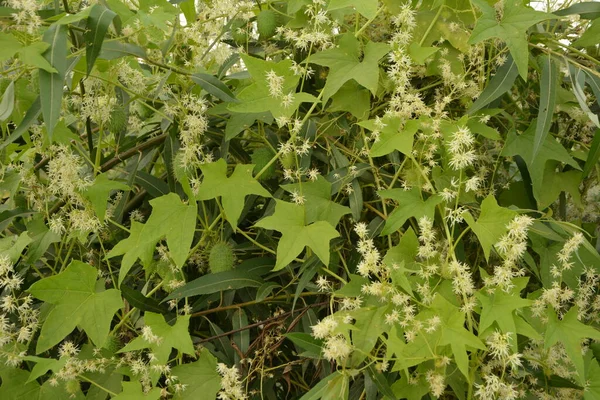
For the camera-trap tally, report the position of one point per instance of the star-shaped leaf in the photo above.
(167, 337)
(201, 376)
(570, 332)
(133, 391)
(232, 190)
(540, 170)
(318, 203)
(393, 136)
(78, 301)
(499, 307)
(410, 204)
(170, 218)
(491, 224)
(296, 235)
(99, 191)
(366, 8)
(454, 332)
(345, 64)
(257, 98)
(511, 27)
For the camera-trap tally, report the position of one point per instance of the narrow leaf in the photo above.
(593, 155)
(499, 84)
(589, 10)
(51, 84)
(215, 87)
(136, 299)
(97, 25)
(8, 102)
(212, 283)
(548, 86)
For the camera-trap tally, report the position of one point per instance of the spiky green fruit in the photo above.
(266, 22)
(118, 120)
(221, 257)
(260, 158)
(288, 160)
(238, 31)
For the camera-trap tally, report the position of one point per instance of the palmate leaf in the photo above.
(232, 190)
(171, 219)
(395, 135)
(319, 206)
(289, 219)
(98, 193)
(511, 28)
(366, 8)
(345, 64)
(410, 204)
(77, 301)
(171, 336)
(200, 377)
(133, 391)
(570, 332)
(491, 224)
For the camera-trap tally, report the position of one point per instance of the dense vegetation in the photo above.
(301, 199)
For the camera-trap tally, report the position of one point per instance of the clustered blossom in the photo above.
(461, 150)
(231, 386)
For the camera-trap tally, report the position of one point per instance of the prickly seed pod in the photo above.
(221, 257)
(266, 23)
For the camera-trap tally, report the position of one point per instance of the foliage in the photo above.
(299, 199)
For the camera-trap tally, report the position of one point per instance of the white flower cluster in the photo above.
(231, 386)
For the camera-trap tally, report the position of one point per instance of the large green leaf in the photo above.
(295, 234)
(570, 332)
(98, 193)
(214, 86)
(98, 22)
(548, 85)
(78, 301)
(395, 135)
(491, 224)
(319, 206)
(200, 377)
(169, 336)
(51, 83)
(171, 219)
(410, 204)
(217, 282)
(511, 28)
(500, 83)
(366, 8)
(345, 64)
(232, 190)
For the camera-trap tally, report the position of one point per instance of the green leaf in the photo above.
(395, 135)
(133, 391)
(9, 45)
(295, 235)
(589, 10)
(511, 28)
(31, 116)
(318, 203)
(8, 102)
(43, 365)
(352, 98)
(41, 239)
(369, 325)
(454, 333)
(548, 84)
(590, 36)
(98, 23)
(593, 155)
(550, 150)
(321, 388)
(175, 336)
(52, 82)
(570, 332)
(33, 54)
(16, 387)
(217, 282)
(500, 307)
(78, 301)
(232, 190)
(214, 86)
(98, 193)
(345, 64)
(136, 299)
(200, 377)
(366, 8)
(170, 218)
(497, 86)
(577, 78)
(306, 342)
(410, 204)
(256, 97)
(491, 224)
(420, 54)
